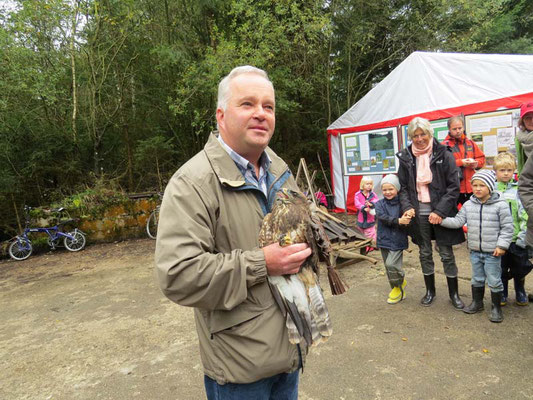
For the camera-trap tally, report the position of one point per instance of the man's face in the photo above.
(456, 129)
(504, 174)
(527, 120)
(249, 120)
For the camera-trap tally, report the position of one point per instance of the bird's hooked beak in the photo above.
(283, 194)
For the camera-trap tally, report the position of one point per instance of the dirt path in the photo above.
(93, 325)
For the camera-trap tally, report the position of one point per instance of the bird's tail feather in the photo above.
(297, 326)
(321, 326)
(292, 330)
(277, 297)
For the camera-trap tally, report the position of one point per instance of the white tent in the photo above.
(433, 86)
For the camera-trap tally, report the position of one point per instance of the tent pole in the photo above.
(344, 194)
(324, 173)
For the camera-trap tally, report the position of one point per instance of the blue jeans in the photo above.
(486, 267)
(277, 387)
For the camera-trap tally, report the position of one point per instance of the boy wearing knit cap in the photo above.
(391, 237)
(490, 231)
(515, 262)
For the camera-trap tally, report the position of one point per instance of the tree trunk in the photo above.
(349, 78)
(328, 81)
(129, 155)
(169, 25)
(159, 174)
(73, 67)
(96, 155)
(16, 212)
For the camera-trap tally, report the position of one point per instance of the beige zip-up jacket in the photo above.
(207, 257)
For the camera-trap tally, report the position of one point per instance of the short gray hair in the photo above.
(224, 92)
(419, 123)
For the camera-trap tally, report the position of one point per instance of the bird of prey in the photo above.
(299, 295)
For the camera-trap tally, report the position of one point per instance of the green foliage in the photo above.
(93, 201)
(154, 161)
(126, 90)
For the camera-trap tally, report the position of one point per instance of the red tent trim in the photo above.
(486, 106)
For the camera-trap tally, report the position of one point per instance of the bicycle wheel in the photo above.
(76, 242)
(151, 224)
(20, 249)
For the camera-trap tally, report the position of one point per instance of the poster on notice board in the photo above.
(370, 152)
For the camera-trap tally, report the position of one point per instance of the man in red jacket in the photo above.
(468, 156)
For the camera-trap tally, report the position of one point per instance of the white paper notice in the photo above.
(501, 121)
(349, 153)
(441, 135)
(440, 124)
(479, 125)
(490, 145)
(351, 142)
(505, 137)
(364, 148)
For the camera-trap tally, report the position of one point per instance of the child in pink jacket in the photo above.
(364, 201)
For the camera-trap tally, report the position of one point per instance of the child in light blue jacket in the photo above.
(490, 231)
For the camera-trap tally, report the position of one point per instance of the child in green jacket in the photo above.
(515, 263)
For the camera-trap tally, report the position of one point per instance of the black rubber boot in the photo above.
(427, 300)
(477, 300)
(505, 292)
(453, 290)
(520, 291)
(496, 314)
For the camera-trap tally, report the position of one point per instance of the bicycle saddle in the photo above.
(67, 221)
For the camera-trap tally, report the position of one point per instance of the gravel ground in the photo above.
(93, 325)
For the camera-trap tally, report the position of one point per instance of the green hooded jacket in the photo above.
(509, 192)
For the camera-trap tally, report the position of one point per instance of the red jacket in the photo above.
(465, 148)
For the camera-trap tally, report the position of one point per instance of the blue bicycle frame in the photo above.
(53, 232)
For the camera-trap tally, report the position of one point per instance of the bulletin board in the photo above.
(493, 132)
(440, 130)
(370, 152)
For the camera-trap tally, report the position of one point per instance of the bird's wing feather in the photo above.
(298, 324)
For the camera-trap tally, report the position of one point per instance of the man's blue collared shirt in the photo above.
(248, 170)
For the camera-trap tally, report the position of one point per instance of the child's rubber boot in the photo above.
(505, 292)
(397, 294)
(520, 290)
(496, 314)
(453, 290)
(477, 300)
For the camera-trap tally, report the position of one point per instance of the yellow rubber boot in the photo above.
(397, 294)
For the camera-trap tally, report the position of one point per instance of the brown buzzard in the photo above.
(299, 296)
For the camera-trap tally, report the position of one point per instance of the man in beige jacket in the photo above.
(207, 253)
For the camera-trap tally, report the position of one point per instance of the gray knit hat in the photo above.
(391, 179)
(487, 177)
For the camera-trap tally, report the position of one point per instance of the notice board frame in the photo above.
(370, 152)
